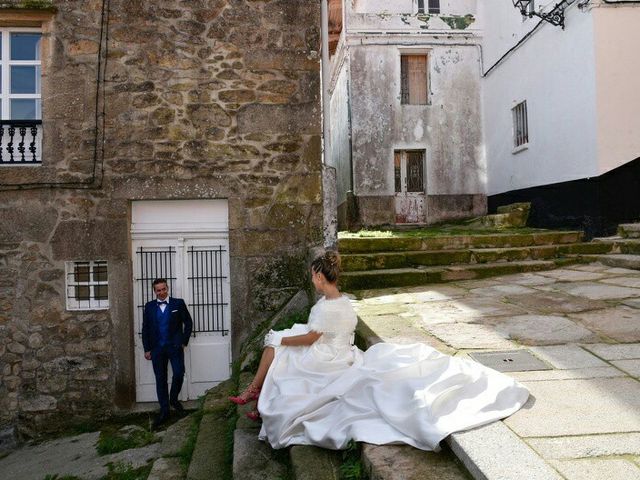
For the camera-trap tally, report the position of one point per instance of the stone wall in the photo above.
(171, 99)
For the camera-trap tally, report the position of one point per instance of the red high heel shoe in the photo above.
(253, 415)
(250, 394)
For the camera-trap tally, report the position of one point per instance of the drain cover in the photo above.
(510, 361)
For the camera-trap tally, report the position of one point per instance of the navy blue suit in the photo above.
(166, 345)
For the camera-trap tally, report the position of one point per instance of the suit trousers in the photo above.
(160, 358)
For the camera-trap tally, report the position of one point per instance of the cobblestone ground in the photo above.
(582, 321)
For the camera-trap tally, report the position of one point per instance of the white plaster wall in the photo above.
(340, 131)
(401, 15)
(503, 26)
(447, 7)
(617, 39)
(554, 70)
(449, 128)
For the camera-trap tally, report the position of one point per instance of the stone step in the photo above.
(315, 463)
(620, 261)
(404, 277)
(208, 459)
(253, 459)
(456, 242)
(387, 260)
(629, 230)
(403, 462)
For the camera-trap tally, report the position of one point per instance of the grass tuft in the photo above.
(186, 452)
(351, 468)
(111, 441)
(123, 471)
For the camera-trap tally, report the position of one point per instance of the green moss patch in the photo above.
(46, 5)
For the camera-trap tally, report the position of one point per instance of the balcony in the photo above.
(20, 142)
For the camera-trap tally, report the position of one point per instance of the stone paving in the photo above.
(583, 321)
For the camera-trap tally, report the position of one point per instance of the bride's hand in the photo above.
(272, 339)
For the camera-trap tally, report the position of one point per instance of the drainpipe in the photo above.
(329, 187)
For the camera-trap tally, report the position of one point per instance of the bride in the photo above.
(316, 388)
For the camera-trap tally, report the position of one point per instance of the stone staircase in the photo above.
(397, 262)
(407, 261)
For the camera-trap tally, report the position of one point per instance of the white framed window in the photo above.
(20, 95)
(87, 285)
(432, 6)
(520, 126)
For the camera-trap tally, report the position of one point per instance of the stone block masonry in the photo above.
(171, 99)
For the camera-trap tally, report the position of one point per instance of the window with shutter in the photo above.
(414, 78)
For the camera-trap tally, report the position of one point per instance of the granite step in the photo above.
(315, 463)
(620, 261)
(208, 459)
(403, 462)
(404, 277)
(456, 242)
(629, 230)
(389, 260)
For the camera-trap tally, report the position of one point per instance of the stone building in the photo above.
(175, 138)
(406, 111)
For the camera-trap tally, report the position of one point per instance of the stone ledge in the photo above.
(493, 452)
(314, 463)
(403, 462)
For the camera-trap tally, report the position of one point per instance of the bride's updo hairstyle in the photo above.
(328, 264)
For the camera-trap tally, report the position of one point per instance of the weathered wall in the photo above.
(448, 128)
(202, 99)
(340, 156)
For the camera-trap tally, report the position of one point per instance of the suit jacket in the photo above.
(180, 324)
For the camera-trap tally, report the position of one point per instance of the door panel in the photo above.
(185, 242)
(409, 167)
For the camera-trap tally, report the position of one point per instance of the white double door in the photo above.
(196, 267)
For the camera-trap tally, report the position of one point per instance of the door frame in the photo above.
(403, 198)
(204, 233)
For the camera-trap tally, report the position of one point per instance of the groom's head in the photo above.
(160, 288)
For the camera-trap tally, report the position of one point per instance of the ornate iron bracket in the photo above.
(555, 16)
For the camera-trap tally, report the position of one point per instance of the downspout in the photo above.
(329, 188)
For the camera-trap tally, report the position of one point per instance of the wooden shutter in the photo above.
(417, 79)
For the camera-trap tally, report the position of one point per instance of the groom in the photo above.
(166, 328)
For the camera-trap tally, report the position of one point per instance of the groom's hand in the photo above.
(147, 355)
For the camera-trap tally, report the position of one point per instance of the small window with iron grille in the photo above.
(20, 96)
(87, 285)
(413, 79)
(433, 6)
(520, 125)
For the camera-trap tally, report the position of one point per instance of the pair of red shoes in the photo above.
(249, 395)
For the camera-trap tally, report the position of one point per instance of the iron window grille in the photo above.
(207, 279)
(87, 285)
(520, 125)
(413, 177)
(20, 97)
(153, 264)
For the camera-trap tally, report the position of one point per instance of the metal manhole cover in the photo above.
(510, 361)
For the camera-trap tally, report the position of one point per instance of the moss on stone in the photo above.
(458, 22)
(46, 5)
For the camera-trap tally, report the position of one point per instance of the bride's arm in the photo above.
(299, 340)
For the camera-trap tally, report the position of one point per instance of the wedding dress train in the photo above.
(330, 392)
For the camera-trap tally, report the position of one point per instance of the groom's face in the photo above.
(161, 290)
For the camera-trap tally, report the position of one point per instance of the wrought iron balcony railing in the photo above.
(20, 142)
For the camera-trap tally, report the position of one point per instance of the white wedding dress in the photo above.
(331, 392)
